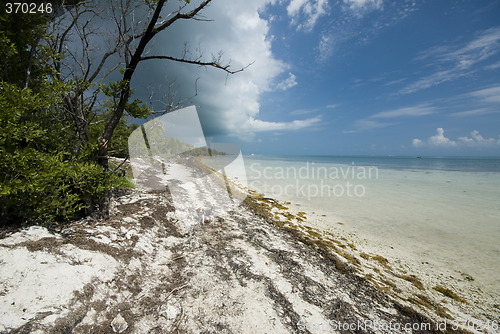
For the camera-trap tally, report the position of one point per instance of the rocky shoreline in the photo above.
(144, 270)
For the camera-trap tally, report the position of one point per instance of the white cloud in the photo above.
(325, 47)
(479, 49)
(394, 82)
(256, 125)
(417, 142)
(493, 66)
(305, 13)
(373, 122)
(304, 111)
(368, 124)
(477, 140)
(480, 102)
(228, 105)
(456, 61)
(433, 80)
(473, 112)
(484, 101)
(419, 110)
(295, 6)
(488, 95)
(440, 140)
(288, 82)
(363, 5)
(349, 24)
(312, 110)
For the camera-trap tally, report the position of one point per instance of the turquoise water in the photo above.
(463, 164)
(444, 211)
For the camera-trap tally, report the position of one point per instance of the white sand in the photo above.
(147, 269)
(35, 282)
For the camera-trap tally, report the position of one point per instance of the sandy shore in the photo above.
(149, 269)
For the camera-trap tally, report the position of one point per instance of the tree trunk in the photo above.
(102, 154)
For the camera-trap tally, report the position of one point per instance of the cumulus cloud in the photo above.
(228, 105)
(417, 142)
(440, 140)
(287, 83)
(476, 139)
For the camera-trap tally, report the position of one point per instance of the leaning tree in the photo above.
(66, 82)
(88, 56)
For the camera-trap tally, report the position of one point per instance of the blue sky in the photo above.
(347, 77)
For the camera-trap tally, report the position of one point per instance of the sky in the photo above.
(346, 77)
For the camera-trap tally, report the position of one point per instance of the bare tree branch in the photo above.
(128, 44)
(214, 63)
(182, 16)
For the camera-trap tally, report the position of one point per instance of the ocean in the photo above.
(440, 216)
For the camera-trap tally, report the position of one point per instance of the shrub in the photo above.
(38, 188)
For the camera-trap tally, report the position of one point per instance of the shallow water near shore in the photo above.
(440, 216)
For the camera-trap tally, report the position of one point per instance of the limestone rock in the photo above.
(119, 324)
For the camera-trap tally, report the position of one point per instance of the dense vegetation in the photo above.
(47, 173)
(61, 114)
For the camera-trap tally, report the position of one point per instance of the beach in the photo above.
(435, 221)
(155, 268)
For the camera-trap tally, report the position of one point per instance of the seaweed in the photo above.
(335, 250)
(382, 260)
(450, 294)
(412, 279)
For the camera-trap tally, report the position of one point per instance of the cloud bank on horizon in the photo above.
(346, 77)
(475, 140)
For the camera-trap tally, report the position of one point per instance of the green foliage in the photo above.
(39, 181)
(49, 132)
(25, 116)
(41, 188)
(113, 90)
(136, 109)
(118, 146)
(19, 38)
